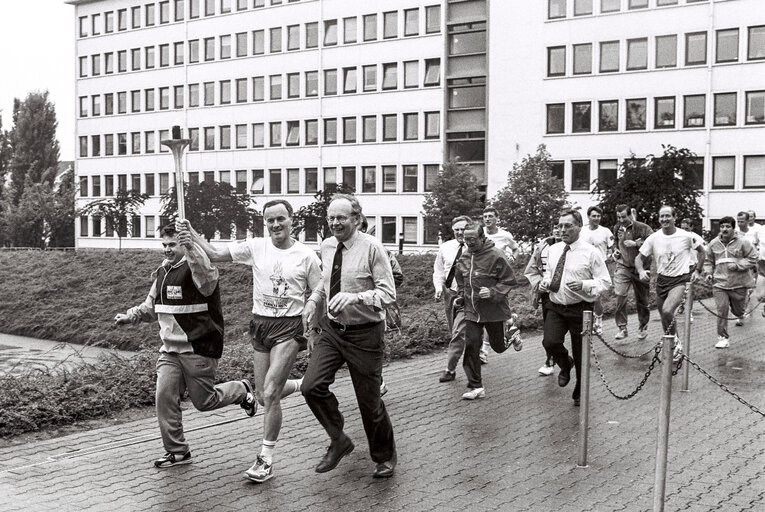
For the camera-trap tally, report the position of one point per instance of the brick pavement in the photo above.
(514, 450)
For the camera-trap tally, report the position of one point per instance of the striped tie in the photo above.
(337, 269)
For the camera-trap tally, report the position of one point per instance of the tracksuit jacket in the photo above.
(739, 251)
(488, 267)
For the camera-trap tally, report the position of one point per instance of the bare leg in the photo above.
(271, 372)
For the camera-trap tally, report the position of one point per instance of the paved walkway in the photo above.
(514, 450)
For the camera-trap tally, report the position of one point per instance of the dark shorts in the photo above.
(664, 284)
(266, 331)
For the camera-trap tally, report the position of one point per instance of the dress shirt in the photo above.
(583, 263)
(443, 264)
(366, 271)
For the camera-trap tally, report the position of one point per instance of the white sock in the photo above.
(267, 451)
(292, 385)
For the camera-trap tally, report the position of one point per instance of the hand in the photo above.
(308, 312)
(645, 275)
(708, 278)
(575, 285)
(484, 292)
(459, 302)
(182, 225)
(438, 294)
(184, 239)
(732, 267)
(121, 318)
(544, 285)
(695, 276)
(617, 254)
(629, 243)
(341, 300)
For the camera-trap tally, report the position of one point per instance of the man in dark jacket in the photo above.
(484, 278)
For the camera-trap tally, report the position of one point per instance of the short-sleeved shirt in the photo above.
(280, 277)
(673, 253)
(600, 238)
(503, 240)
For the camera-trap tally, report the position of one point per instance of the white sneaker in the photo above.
(740, 321)
(383, 389)
(260, 471)
(597, 327)
(473, 394)
(546, 370)
(622, 334)
(484, 358)
(722, 342)
(643, 333)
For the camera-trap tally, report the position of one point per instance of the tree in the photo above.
(117, 210)
(64, 212)
(529, 204)
(5, 157)
(670, 179)
(455, 192)
(312, 218)
(28, 222)
(35, 150)
(211, 206)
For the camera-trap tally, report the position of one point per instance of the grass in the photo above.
(73, 297)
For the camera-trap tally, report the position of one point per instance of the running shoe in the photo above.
(722, 342)
(260, 471)
(171, 459)
(474, 393)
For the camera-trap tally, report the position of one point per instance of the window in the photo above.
(194, 50)
(164, 55)
(411, 74)
(312, 35)
(293, 37)
(164, 135)
(311, 83)
(431, 176)
(225, 47)
(390, 25)
(694, 173)
(580, 175)
(225, 6)
(556, 9)
(149, 57)
(164, 12)
(83, 26)
(350, 32)
(349, 130)
(257, 135)
(432, 125)
(370, 77)
(638, 4)
(135, 181)
(608, 116)
(84, 225)
(135, 15)
(95, 65)
(666, 51)
(411, 22)
(410, 126)
(467, 43)
(209, 133)
(607, 170)
(556, 118)
(664, 112)
(109, 145)
(311, 180)
(276, 134)
(330, 82)
(241, 90)
(432, 72)
(389, 178)
(194, 136)
(725, 109)
(556, 61)
(755, 107)
(390, 129)
(432, 19)
(582, 7)
(193, 8)
(609, 56)
(258, 87)
(241, 5)
(581, 117)
(95, 28)
(726, 49)
(610, 6)
(241, 44)
(83, 106)
(275, 181)
(258, 182)
(695, 48)
(135, 100)
(149, 14)
(330, 32)
(330, 131)
(240, 131)
(178, 96)
(108, 63)
(349, 80)
(756, 49)
(84, 186)
(389, 230)
(108, 104)
(122, 102)
(637, 53)
(410, 178)
(121, 61)
(209, 88)
(84, 66)
(164, 98)
(370, 27)
(369, 129)
(349, 178)
(694, 111)
(179, 10)
(149, 148)
(209, 7)
(122, 143)
(293, 181)
(95, 145)
(723, 172)
(209, 48)
(582, 59)
(275, 87)
(666, 2)
(636, 114)
(293, 133)
(258, 42)
(369, 179)
(178, 51)
(311, 132)
(390, 76)
(330, 179)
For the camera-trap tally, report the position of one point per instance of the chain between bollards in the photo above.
(662, 443)
(584, 389)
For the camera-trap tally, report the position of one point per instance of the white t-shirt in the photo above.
(280, 277)
(600, 238)
(673, 253)
(503, 240)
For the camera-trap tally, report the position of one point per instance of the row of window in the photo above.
(664, 113)
(633, 54)
(557, 9)
(146, 16)
(724, 172)
(371, 179)
(413, 126)
(289, 86)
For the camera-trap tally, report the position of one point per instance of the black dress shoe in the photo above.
(336, 451)
(447, 376)
(565, 373)
(385, 469)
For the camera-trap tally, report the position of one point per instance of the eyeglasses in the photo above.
(342, 219)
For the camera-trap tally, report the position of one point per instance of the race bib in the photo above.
(174, 292)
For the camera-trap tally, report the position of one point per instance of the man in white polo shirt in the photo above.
(602, 239)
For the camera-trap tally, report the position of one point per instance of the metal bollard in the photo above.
(662, 443)
(687, 336)
(584, 389)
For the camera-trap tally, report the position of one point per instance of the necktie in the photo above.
(337, 269)
(452, 270)
(558, 274)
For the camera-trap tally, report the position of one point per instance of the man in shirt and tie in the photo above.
(576, 274)
(358, 284)
(444, 269)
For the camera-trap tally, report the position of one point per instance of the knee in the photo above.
(206, 404)
(269, 396)
(310, 389)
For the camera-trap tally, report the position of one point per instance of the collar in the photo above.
(575, 245)
(166, 263)
(349, 243)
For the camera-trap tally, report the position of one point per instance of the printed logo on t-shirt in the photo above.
(278, 299)
(174, 292)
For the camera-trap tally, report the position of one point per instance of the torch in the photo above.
(177, 144)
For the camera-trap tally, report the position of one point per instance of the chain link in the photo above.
(722, 386)
(713, 313)
(657, 351)
(622, 354)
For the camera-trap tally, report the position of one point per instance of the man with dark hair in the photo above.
(602, 239)
(445, 284)
(283, 269)
(576, 274)
(630, 235)
(484, 278)
(729, 263)
(185, 300)
(358, 284)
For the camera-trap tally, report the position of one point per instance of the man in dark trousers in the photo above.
(358, 284)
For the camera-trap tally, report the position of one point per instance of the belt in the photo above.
(351, 327)
(580, 304)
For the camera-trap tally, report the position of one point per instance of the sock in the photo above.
(267, 451)
(292, 385)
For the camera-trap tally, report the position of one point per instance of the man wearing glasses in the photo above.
(358, 284)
